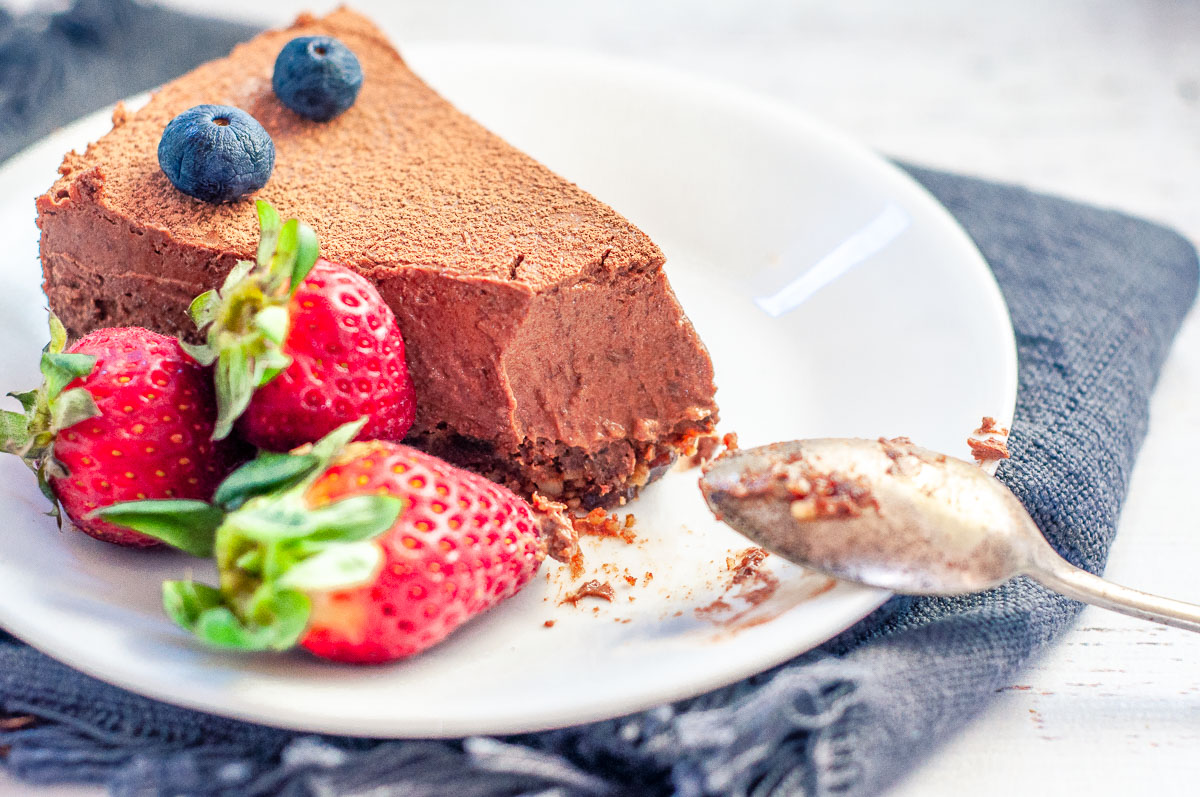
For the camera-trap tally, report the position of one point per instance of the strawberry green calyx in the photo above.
(247, 317)
(49, 409)
(273, 549)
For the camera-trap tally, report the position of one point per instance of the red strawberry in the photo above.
(461, 545)
(347, 362)
(302, 346)
(369, 553)
(124, 414)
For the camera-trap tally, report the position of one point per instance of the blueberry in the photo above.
(216, 153)
(318, 77)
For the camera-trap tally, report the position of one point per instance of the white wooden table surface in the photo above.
(1096, 100)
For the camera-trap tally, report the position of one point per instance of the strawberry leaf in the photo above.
(200, 352)
(284, 260)
(72, 407)
(185, 601)
(270, 373)
(236, 274)
(336, 567)
(14, 431)
(61, 369)
(332, 444)
(269, 365)
(271, 522)
(203, 309)
(279, 622)
(58, 335)
(221, 628)
(190, 526)
(268, 226)
(251, 561)
(308, 249)
(273, 323)
(28, 399)
(359, 517)
(235, 388)
(290, 610)
(267, 474)
(46, 468)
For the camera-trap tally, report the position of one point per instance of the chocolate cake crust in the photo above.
(543, 338)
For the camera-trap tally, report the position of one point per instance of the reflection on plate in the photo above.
(836, 297)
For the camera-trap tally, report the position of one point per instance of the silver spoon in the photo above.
(889, 514)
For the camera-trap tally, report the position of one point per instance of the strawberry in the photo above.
(361, 552)
(124, 414)
(347, 361)
(302, 346)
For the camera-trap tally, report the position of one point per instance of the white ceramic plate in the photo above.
(755, 205)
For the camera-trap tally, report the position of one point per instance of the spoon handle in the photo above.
(1052, 571)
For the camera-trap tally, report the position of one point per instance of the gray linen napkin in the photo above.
(1096, 298)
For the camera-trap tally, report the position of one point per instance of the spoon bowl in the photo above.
(924, 523)
(890, 514)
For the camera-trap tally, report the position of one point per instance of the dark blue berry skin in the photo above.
(216, 153)
(318, 77)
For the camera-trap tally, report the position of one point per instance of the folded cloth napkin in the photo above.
(1096, 298)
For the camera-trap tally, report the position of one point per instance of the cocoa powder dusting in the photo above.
(591, 589)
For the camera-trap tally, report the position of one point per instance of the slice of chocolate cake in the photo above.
(547, 348)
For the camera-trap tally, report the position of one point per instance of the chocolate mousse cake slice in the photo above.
(547, 348)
